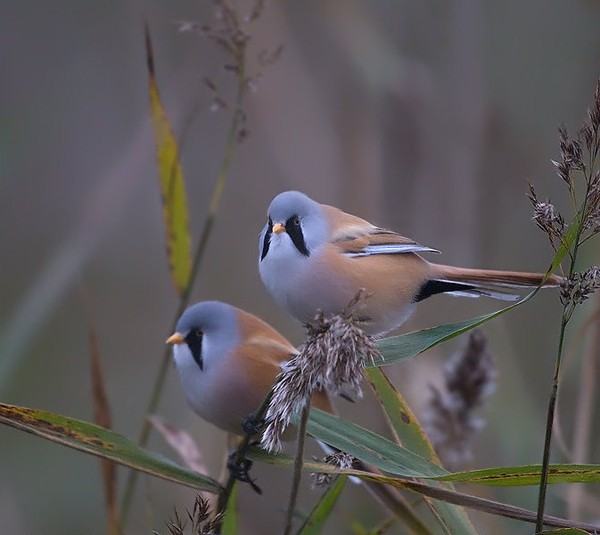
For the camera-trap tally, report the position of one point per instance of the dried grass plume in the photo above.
(332, 358)
(453, 412)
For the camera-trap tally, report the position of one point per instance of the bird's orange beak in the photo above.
(175, 338)
(278, 228)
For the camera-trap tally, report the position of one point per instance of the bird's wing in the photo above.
(357, 237)
(263, 346)
(276, 350)
(262, 361)
(255, 331)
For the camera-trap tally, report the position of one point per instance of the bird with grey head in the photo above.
(228, 360)
(314, 257)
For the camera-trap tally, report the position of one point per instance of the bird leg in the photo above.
(253, 424)
(240, 469)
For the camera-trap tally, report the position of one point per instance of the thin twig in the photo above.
(539, 526)
(298, 462)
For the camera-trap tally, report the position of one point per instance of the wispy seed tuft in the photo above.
(332, 358)
(338, 459)
(453, 413)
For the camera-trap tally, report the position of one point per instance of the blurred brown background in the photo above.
(426, 117)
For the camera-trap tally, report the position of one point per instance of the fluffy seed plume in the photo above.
(591, 220)
(580, 286)
(332, 358)
(546, 217)
(591, 128)
(451, 417)
(338, 459)
(577, 167)
(570, 150)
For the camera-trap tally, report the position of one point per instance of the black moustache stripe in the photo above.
(267, 239)
(294, 230)
(194, 342)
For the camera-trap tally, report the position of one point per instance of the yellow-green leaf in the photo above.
(513, 476)
(401, 420)
(172, 187)
(101, 442)
(409, 433)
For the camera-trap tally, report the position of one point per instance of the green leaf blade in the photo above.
(406, 346)
(95, 440)
(369, 447)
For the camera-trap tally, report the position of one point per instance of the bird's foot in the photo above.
(252, 425)
(240, 469)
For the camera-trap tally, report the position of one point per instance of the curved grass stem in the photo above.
(568, 309)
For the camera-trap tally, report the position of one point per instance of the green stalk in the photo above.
(567, 314)
(539, 523)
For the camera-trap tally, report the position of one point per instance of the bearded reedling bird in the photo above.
(228, 361)
(314, 256)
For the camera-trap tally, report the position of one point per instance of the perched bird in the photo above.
(228, 361)
(314, 256)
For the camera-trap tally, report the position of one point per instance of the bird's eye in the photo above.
(270, 222)
(296, 221)
(194, 337)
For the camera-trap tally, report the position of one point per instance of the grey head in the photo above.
(304, 222)
(209, 324)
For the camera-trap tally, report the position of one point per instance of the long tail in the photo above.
(477, 282)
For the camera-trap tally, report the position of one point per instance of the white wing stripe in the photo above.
(392, 248)
(479, 292)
